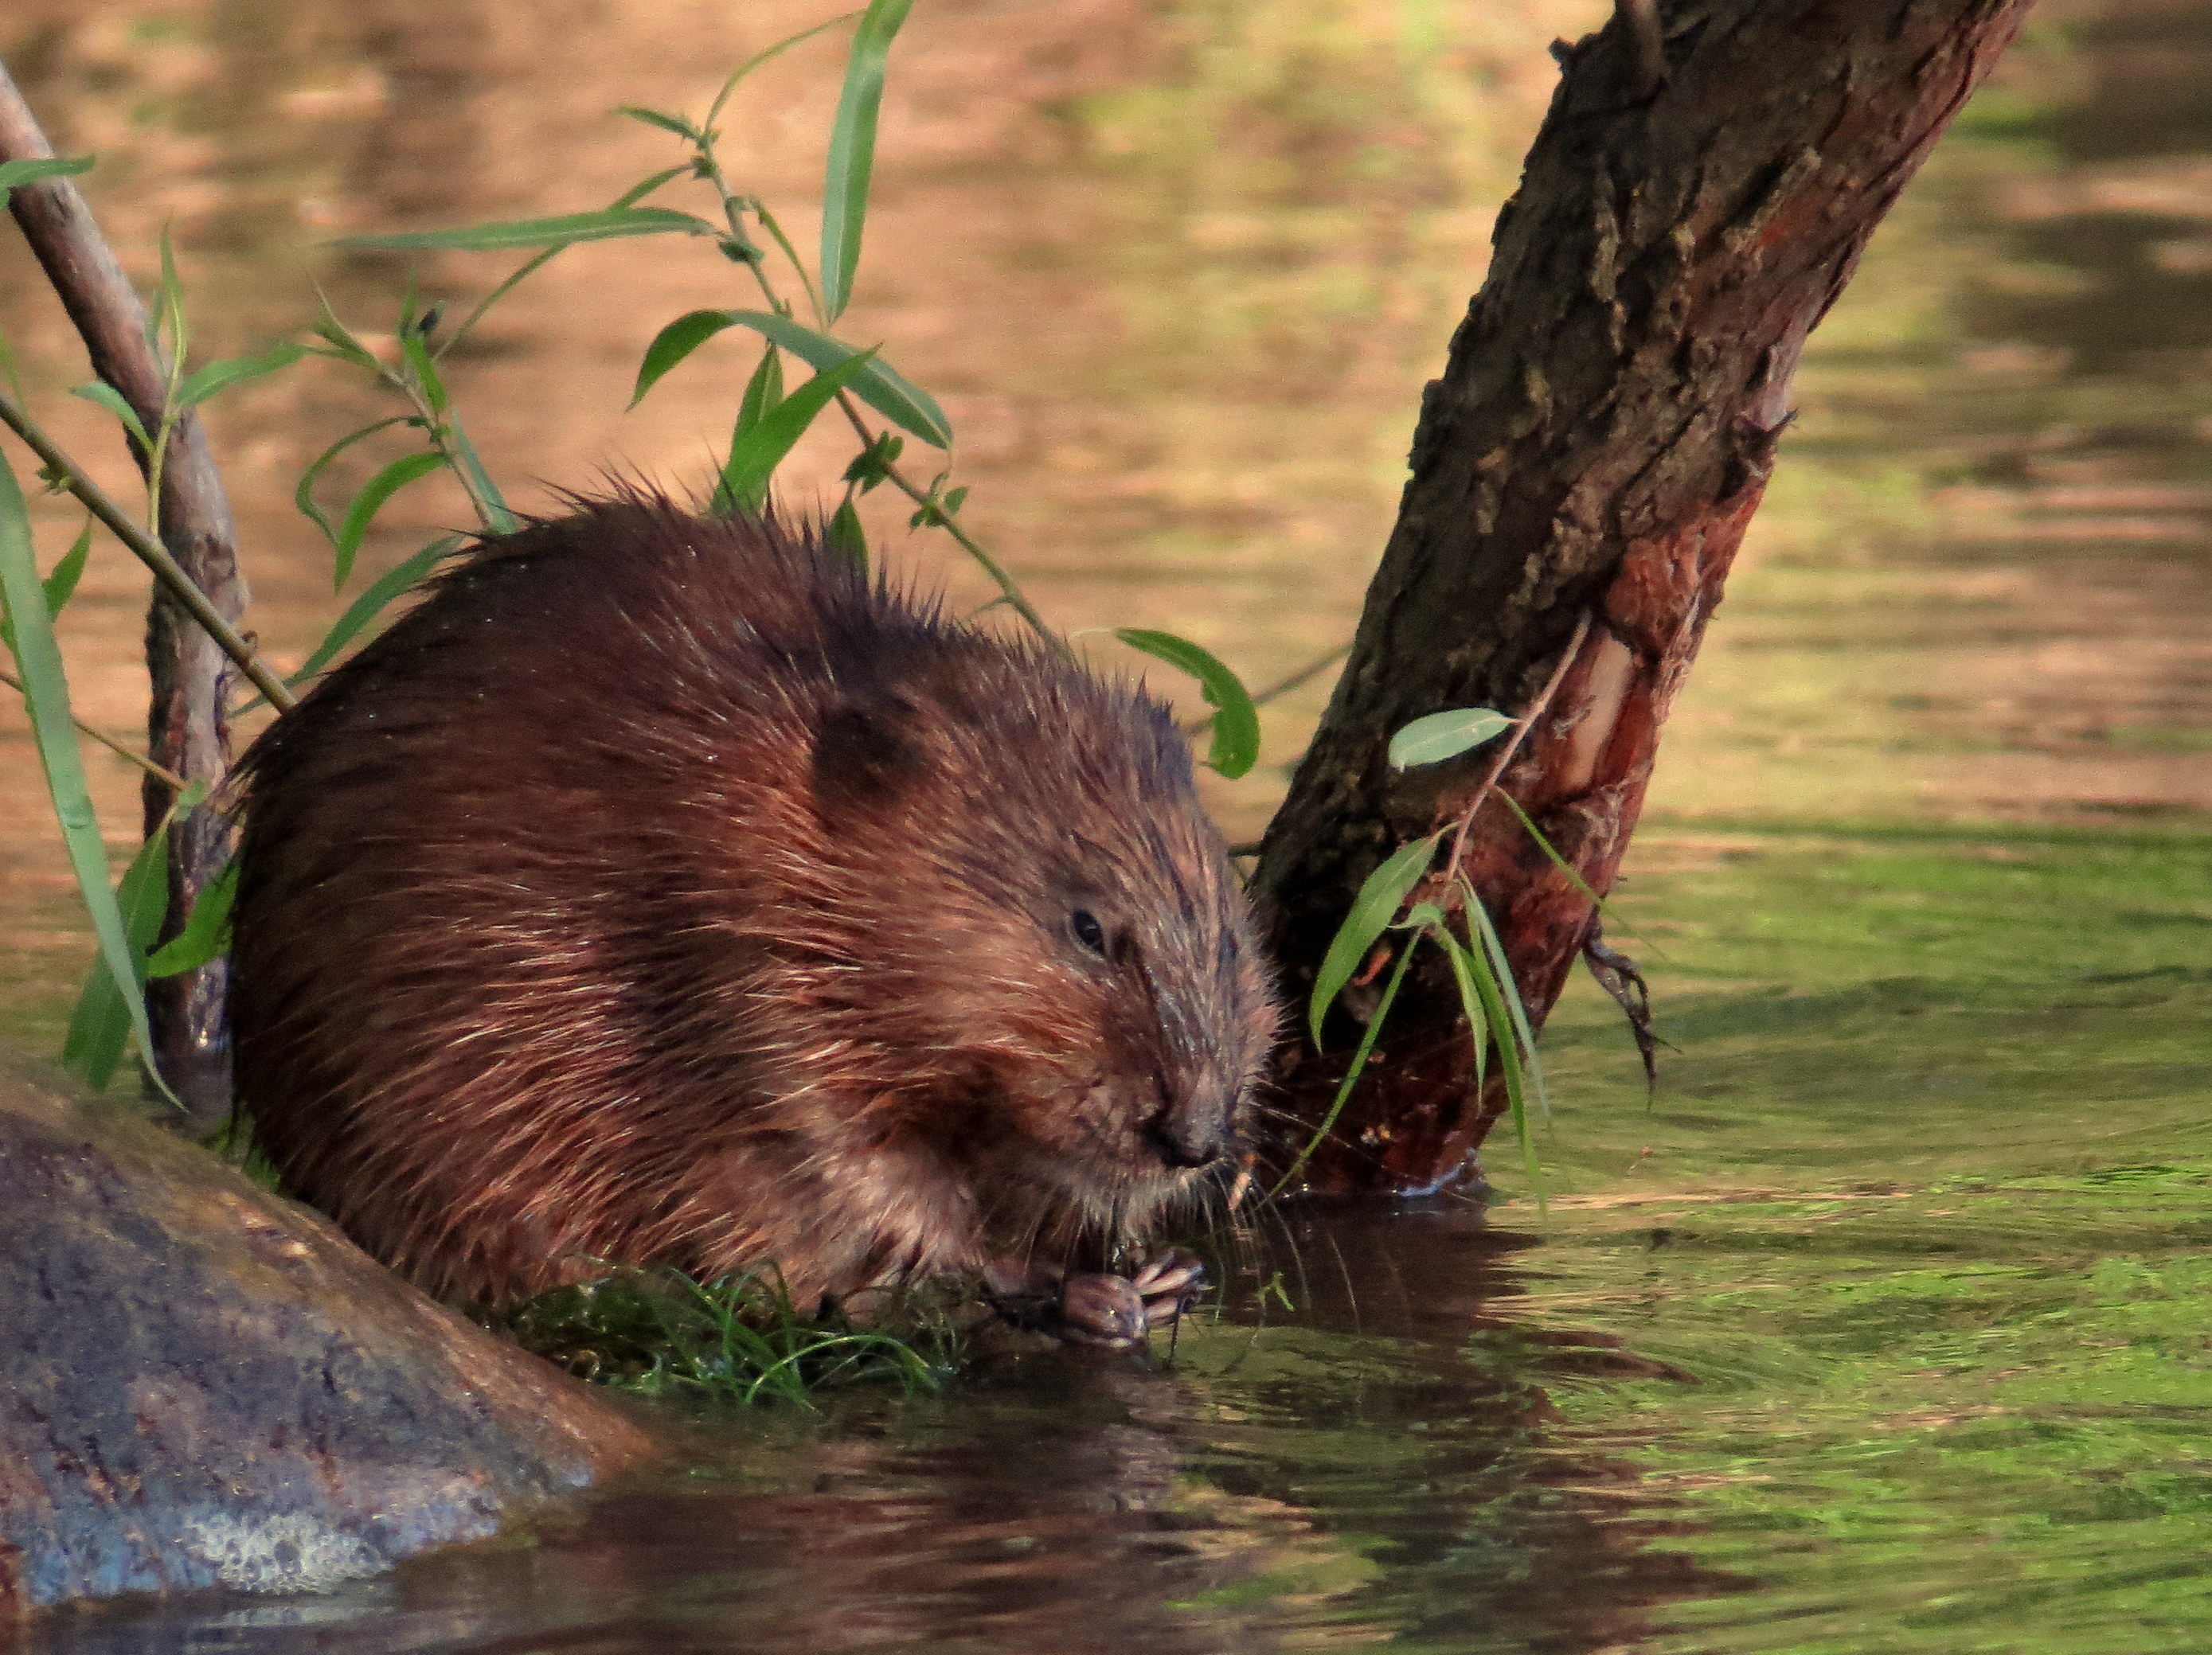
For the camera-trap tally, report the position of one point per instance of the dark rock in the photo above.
(202, 1385)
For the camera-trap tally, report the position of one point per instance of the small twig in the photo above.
(1521, 729)
(1015, 600)
(157, 772)
(1617, 974)
(148, 551)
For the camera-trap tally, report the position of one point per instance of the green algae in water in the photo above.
(1929, 1255)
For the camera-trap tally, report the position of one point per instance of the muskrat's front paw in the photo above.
(1169, 1283)
(1102, 1310)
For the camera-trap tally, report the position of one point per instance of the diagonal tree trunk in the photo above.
(1583, 473)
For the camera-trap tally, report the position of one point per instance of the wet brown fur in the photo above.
(661, 889)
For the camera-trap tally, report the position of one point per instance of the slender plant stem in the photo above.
(157, 772)
(991, 565)
(148, 551)
(1521, 729)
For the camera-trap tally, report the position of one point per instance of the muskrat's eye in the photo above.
(1088, 931)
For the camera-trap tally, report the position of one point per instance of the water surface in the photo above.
(1883, 1326)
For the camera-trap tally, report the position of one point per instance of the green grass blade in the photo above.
(1372, 913)
(564, 230)
(754, 455)
(1441, 735)
(852, 152)
(38, 663)
(218, 377)
(99, 1024)
(1235, 747)
(370, 501)
(906, 406)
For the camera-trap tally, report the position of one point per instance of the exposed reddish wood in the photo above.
(1596, 446)
(186, 731)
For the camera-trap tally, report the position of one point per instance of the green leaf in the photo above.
(1441, 735)
(737, 75)
(57, 586)
(38, 663)
(1514, 1011)
(635, 193)
(168, 308)
(1487, 1015)
(402, 578)
(370, 501)
(418, 356)
(673, 343)
(1372, 911)
(1464, 968)
(1235, 747)
(61, 584)
(754, 457)
(676, 124)
(340, 338)
(218, 377)
(107, 397)
(564, 230)
(101, 1022)
(905, 405)
(206, 934)
(13, 173)
(846, 534)
(853, 151)
(303, 495)
(763, 392)
(871, 466)
(491, 505)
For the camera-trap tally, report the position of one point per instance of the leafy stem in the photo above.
(1010, 591)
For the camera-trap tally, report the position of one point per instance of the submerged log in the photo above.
(202, 1386)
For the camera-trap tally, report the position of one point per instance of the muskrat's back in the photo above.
(661, 889)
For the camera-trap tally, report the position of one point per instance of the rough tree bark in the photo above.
(186, 731)
(1598, 441)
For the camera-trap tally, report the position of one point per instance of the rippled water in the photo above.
(1883, 1326)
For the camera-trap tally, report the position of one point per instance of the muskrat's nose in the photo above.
(1189, 1136)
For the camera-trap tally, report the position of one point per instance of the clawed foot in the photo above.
(1109, 1310)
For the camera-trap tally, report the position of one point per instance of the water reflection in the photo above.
(1355, 1478)
(1177, 273)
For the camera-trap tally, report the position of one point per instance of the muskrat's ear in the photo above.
(863, 758)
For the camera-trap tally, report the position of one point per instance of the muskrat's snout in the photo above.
(1195, 1132)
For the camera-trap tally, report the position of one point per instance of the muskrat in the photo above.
(662, 888)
